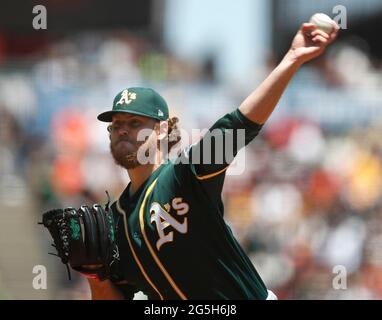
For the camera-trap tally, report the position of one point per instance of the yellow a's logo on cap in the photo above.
(127, 97)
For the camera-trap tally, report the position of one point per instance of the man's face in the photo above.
(124, 143)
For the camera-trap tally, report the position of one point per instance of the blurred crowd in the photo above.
(311, 207)
(310, 198)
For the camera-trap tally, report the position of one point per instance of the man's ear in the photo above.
(162, 129)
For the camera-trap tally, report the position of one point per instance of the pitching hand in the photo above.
(311, 42)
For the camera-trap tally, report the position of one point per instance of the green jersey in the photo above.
(173, 240)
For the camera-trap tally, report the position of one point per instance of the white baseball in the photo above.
(323, 22)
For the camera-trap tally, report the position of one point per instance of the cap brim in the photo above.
(107, 116)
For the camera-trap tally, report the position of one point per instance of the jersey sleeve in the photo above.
(209, 159)
(217, 149)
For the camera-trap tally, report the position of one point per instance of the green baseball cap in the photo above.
(137, 100)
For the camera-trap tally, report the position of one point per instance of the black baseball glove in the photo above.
(85, 239)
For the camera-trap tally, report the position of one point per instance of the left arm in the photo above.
(308, 44)
(104, 290)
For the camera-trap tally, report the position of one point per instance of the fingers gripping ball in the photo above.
(323, 22)
(85, 237)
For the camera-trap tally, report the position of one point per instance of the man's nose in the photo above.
(123, 131)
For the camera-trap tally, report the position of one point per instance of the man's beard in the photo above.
(127, 157)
